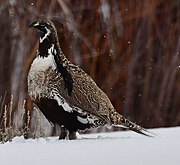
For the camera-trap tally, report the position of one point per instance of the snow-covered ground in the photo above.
(126, 148)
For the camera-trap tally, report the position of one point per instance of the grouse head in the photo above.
(45, 28)
(48, 37)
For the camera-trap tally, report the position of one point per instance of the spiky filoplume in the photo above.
(64, 93)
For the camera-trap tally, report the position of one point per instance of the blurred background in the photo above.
(131, 49)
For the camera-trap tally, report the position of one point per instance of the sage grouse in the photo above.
(65, 94)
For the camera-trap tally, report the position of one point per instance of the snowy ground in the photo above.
(126, 148)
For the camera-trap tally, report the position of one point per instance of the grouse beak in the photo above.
(30, 25)
(34, 24)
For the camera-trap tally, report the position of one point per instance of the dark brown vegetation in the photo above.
(131, 49)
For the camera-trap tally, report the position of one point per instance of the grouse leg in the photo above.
(63, 133)
(72, 135)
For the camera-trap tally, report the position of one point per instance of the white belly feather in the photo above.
(37, 73)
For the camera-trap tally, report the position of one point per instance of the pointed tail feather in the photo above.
(120, 121)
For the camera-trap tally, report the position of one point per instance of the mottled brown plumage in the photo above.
(65, 93)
